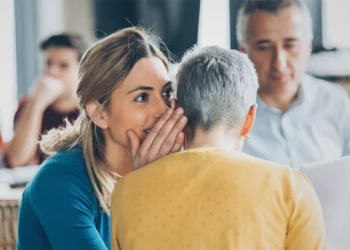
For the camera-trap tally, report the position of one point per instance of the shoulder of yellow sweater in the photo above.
(293, 183)
(207, 154)
(252, 160)
(278, 171)
(212, 153)
(278, 176)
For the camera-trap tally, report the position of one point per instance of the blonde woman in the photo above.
(125, 122)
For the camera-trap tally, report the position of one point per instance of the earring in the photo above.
(246, 137)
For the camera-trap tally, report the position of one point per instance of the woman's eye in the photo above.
(168, 92)
(141, 98)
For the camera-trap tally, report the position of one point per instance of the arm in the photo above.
(65, 206)
(22, 148)
(306, 228)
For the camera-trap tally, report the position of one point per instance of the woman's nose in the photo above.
(159, 108)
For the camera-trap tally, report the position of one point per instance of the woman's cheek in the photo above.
(139, 121)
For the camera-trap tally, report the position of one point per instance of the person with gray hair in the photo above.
(300, 119)
(211, 195)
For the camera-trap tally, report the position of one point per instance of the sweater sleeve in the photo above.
(306, 227)
(66, 207)
(117, 214)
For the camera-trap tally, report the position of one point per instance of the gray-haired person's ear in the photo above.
(249, 122)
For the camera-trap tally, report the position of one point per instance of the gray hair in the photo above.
(216, 85)
(270, 6)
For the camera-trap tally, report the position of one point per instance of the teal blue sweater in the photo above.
(59, 209)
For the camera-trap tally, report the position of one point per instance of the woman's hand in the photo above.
(165, 137)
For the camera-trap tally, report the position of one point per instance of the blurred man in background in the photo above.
(300, 119)
(51, 99)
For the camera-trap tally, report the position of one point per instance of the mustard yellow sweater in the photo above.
(210, 199)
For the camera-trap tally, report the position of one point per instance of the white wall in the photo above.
(50, 20)
(336, 20)
(56, 16)
(79, 18)
(8, 89)
(214, 19)
(50, 17)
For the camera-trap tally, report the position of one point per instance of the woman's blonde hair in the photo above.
(103, 67)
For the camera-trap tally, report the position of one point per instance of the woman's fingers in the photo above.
(147, 143)
(134, 142)
(171, 142)
(166, 136)
(180, 140)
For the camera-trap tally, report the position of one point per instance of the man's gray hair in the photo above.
(216, 86)
(270, 6)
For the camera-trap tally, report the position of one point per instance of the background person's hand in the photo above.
(165, 137)
(47, 90)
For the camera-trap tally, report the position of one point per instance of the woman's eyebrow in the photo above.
(169, 83)
(141, 88)
(149, 88)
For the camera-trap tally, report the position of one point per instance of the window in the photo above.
(214, 23)
(8, 88)
(335, 19)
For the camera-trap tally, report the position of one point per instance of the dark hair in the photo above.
(271, 6)
(73, 41)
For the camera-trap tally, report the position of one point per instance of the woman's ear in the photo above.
(97, 114)
(249, 121)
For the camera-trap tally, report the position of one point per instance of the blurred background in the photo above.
(179, 23)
